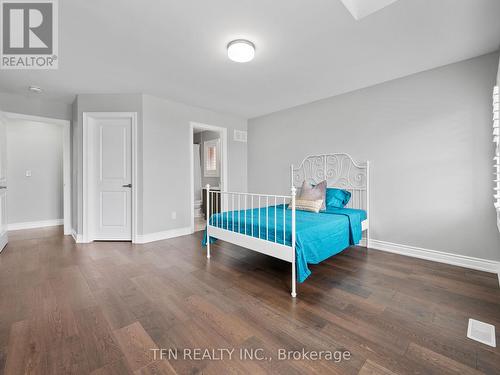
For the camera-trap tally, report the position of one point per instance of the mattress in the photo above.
(318, 236)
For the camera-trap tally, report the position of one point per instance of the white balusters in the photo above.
(259, 216)
(284, 221)
(267, 218)
(251, 212)
(275, 220)
(231, 220)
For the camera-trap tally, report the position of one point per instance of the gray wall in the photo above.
(99, 103)
(200, 139)
(34, 106)
(429, 139)
(163, 156)
(166, 168)
(36, 147)
(498, 74)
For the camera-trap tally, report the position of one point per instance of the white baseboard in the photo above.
(146, 238)
(158, 236)
(36, 224)
(479, 264)
(3, 243)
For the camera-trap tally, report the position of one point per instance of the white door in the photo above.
(3, 185)
(110, 176)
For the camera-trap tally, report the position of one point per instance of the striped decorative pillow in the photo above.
(314, 192)
(307, 205)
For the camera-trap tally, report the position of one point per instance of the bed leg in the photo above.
(294, 269)
(294, 282)
(368, 238)
(208, 247)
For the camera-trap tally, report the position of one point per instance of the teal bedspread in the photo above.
(318, 235)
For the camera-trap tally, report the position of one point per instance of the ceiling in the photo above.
(306, 49)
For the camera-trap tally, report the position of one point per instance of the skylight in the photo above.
(362, 8)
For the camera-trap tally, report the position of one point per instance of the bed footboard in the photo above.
(256, 221)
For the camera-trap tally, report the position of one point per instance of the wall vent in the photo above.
(240, 136)
(482, 332)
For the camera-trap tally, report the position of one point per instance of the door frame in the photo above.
(87, 199)
(223, 170)
(4, 240)
(66, 126)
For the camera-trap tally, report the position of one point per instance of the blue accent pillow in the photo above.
(337, 198)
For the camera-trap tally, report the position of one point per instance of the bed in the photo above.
(271, 224)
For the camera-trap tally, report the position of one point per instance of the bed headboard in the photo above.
(340, 171)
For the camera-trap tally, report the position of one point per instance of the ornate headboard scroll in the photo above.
(340, 171)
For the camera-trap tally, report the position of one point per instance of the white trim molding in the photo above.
(479, 264)
(223, 148)
(77, 237)
(496, 141)
(36, 224)
(165, 235)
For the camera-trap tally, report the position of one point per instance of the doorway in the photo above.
(109, 176)
(208, 163)
(35, 173)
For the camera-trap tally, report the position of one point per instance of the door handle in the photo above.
(128, 185)
(3, 187)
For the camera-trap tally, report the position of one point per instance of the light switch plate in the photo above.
(28, 173)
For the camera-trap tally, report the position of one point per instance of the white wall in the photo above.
(36, 147)
(166, 159)
(429, 139)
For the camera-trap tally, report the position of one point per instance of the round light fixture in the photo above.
(241, 50)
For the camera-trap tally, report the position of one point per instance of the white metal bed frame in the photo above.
(338, 169)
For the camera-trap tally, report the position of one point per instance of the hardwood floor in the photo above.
(101, 308)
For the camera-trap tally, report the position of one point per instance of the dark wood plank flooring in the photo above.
(100, 308)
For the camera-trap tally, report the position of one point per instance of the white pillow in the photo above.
(311, 193)
(307, 205)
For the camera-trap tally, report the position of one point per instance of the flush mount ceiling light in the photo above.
(35, 89)
(241, 50)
